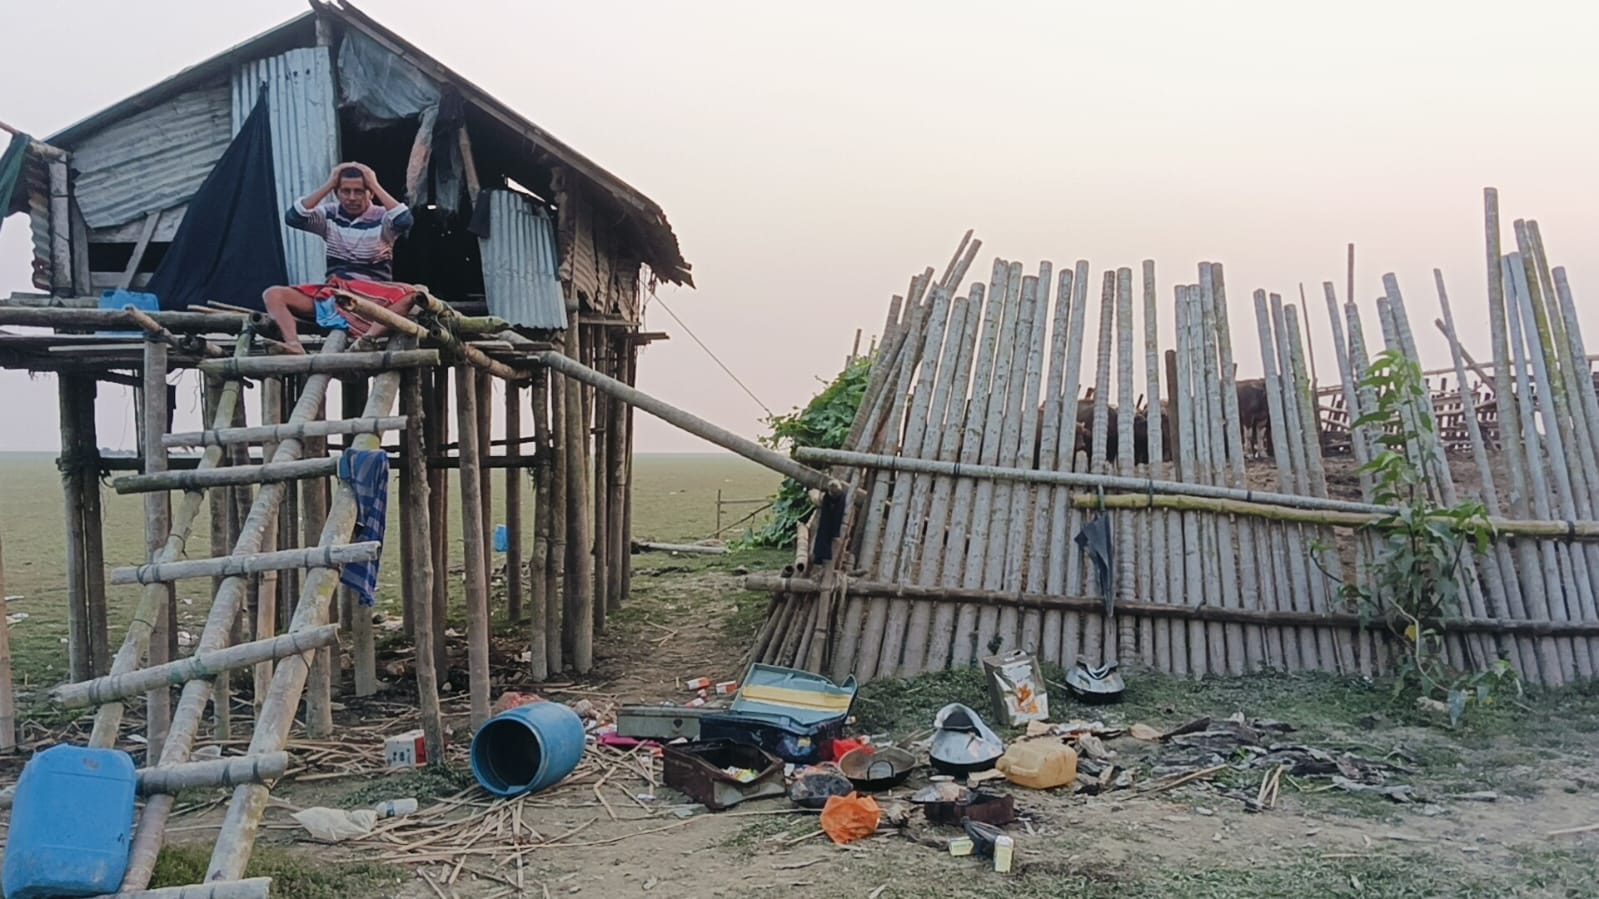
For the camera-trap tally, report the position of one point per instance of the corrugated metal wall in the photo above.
(519, 263)
(152, 160)
(305, 138)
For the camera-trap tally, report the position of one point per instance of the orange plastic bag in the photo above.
(846, 819)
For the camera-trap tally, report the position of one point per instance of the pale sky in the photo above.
(811, 157)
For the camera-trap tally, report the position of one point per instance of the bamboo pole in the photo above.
(418, 567)
(1584, 385)
(555, 580)
(577, 625)
(402, 325)
(1288, 557)
(245, 565)
(231, 476)
(1255, 654)
(1126, 586)
(599, 553)
(472, 545)
(899, 533)
(344, 363)
(1177, 551)
(72, 391)
(266, 611)
(154, 330)
(1157, 639)
(1550, 398)
(1308, 587)
(1024, 630)
(619, 550)
(798, 588)
(514, 581)
(576, 372)
(219, 622)
(254, 888)
(117, 319)
(313, 512)
(136, 643)
(1004, 420)
(436, 397)
(1094, 646)
(157, 524)
(485, 443)
(243, 817)
(538, 589)
(1200, 374)
(1215, 388)
(1560, 589)
(1037, 636)
(8, 700)
(1358, 447)
(626, 538)
(213, 773)
(278, 432)
(1063, 519)
(207, 664)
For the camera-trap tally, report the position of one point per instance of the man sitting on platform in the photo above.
(360, 236)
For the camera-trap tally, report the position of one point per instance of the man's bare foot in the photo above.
(293, 348)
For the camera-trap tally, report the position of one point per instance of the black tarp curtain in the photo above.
(229, 247)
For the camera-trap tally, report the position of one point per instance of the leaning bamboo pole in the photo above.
(153, 598)
(930, 494)
(1550, 398)
(418, 566)
(255, 563)
(1250, 585)
(1036, 635)
(1302, 653)
(1228, 539)
(1016, 631)
(402, 325)
(472, 545)
(200, 665)
(1158, 637)
(1358, 447)
(1578, 357)
(1504, 591)
(919, 441)
(1560, 586)
(325, 661)
(1125, 585)
(243, 818)
(1070, 298)
(1063, 520)
(1009, 429)
(219, 623)
(1094, 646)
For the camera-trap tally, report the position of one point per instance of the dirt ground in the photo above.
(608, 831)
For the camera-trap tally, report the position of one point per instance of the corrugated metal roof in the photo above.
(305, 139)
(519, 263)
(151, 160)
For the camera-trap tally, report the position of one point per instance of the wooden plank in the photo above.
(151, 220)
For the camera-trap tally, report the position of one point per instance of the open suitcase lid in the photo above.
(798, 700)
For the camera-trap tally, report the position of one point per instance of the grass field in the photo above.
(674, 500)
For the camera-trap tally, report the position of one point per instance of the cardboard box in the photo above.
(1016, 688)
(407, 750)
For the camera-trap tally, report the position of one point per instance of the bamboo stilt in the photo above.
(555, 581)
(538, 589)
(74, 391)
(157, 524)
(418, 565)
(266, 611)
(514, 573)
(472, 544)
(617, 483)
(313, 511)
(601, 473)
(436, 396)
(577, 625)
(485, 434)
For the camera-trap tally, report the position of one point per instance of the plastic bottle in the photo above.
(394, 808)
(1040, 764)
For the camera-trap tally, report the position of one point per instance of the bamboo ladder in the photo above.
(281, 662)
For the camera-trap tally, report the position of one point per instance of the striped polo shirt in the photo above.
(360, 248)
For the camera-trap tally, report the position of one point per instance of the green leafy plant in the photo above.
(1416, 580)
(824, 422)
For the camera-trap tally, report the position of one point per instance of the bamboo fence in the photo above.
(977, 458)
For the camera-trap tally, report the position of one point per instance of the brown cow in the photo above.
(1254, 417)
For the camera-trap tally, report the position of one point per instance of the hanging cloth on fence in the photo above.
(367, 473)
(1094, 539)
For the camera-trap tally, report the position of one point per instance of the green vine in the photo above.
(824, 422)
(1416, 580)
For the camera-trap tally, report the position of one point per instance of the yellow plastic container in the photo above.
(1039, 764)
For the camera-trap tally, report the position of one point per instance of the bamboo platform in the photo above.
(978, 456)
